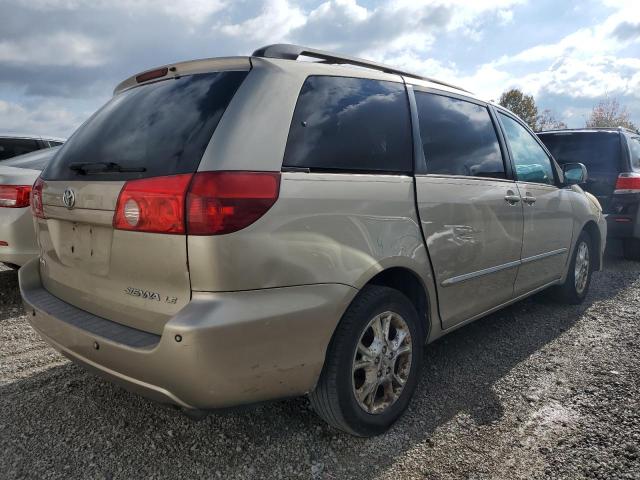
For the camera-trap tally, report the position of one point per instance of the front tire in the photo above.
(372, 365)
(631, 249)
(576, 286)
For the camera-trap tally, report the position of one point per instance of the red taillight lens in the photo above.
(152, 205)
(215, 203)
(14, 196)
(628, 183)
(225, 202)
(37, 208)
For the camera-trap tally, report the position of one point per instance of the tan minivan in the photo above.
(234, 230)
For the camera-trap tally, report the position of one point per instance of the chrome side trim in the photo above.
(497, 268)
(543, 255)
(479, 273)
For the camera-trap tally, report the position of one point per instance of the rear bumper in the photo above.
(623, 219)
(234, 348)
(622, 226)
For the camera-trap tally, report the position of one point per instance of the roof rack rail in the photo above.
(625, 129)
(287, 51)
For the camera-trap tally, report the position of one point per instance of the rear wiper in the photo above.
(89, 168)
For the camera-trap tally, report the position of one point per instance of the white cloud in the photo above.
(378, 33)
(45, 118)
(276, 20)
(583, 64)
(195, 11)
(120, 36)
(60, 48)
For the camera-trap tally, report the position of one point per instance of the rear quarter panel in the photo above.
(324, 228)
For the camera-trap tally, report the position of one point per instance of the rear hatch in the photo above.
(600, 152)
(111, 203)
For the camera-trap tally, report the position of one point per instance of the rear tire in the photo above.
(576, 286)
(631, 249)
(372, 365)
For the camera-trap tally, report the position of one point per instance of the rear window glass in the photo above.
(598, 151)
(458, 137)
(162, 128)
(351, 124)
(35, 160)
(11, 147)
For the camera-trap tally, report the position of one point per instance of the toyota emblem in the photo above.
(69, 198)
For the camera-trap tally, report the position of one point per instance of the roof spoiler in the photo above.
(287, 51)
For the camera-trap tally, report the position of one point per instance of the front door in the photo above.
(470, 211)
(548, 218)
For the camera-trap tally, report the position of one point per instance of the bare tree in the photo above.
(547, 121)
(609, 113)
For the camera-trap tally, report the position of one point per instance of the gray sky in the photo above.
(60, 59)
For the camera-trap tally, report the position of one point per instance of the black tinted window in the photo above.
(350, 124)
(10, 147)
(162, 127)
(599, 151)
(458, 137)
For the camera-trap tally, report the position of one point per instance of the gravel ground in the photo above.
(538, 390)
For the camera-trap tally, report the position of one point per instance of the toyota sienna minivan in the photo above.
(235, 230)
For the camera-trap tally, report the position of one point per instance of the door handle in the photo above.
(529, 199)
(511, 198)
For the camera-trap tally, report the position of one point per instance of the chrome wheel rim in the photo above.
(381, 362)
(581, 272)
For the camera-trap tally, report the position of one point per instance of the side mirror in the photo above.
(575, 174)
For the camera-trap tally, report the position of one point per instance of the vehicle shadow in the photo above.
(74, 419)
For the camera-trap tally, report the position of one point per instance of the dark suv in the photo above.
(612, 157)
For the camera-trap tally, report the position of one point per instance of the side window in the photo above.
(11, 147)
(634, 147)
(342, 123)
(458, 137)
(531, 161)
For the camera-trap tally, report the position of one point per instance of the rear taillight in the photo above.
(628, 183)
(152, 205)
(225, 202)
(37, 208)
(205, 203)
(14, 196)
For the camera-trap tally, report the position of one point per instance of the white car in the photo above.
(17, 236)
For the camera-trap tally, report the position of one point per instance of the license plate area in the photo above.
(83, 246)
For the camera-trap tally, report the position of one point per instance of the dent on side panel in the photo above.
(474, 238)
(324, 228)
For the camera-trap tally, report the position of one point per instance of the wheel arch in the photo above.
(591, 228)
(409, 283)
